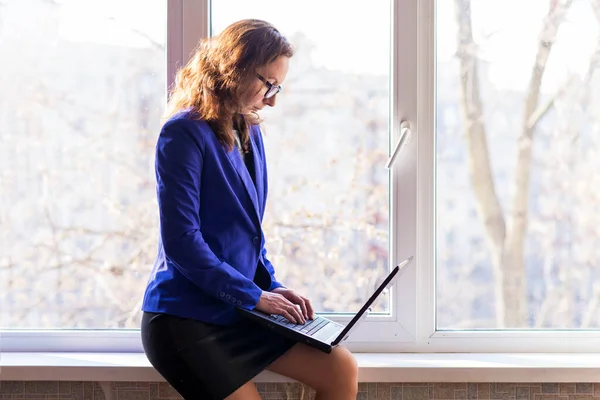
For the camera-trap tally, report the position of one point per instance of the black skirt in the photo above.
(204, 361)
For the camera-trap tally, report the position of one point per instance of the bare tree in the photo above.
(505, 230)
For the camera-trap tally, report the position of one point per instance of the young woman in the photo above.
(212, 187)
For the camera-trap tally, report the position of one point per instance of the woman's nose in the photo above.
(270, 101)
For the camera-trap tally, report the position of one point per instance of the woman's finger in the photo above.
(290, 309)
(295, 311)
(288, 316)
(283, 302)
(285, 312)
(309, 310)
(302, 305)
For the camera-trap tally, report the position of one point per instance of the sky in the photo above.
(113, 21)
(343, 27)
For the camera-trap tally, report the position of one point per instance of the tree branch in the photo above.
(513, 254)
(518, 216)
(472, 109)
(540, 112)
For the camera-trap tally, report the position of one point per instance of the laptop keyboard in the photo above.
(310, 328)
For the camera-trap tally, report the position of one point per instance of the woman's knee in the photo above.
(326, 373)
(344, 371)
(347, 362)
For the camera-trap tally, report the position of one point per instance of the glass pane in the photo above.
(81, 92)
(518, 155)
(326, 223)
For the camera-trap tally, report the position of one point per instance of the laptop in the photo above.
(322, 333)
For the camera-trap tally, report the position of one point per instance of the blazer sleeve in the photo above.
(179, 162)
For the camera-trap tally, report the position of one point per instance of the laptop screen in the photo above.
(371, 300)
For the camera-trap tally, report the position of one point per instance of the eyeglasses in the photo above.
(272, 90)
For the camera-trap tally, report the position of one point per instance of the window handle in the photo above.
(404, 133)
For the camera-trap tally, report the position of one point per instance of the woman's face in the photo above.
(274, 74)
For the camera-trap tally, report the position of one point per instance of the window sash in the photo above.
(410, 327)
(422, 227)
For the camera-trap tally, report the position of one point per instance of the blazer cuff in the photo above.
(247, 299)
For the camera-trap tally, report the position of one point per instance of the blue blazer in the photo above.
(210, 244)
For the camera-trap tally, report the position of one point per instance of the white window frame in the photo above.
(411, 325)
(414, 233)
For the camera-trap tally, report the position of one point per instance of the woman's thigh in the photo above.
(320, 371)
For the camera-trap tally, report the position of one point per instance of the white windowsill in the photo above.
(449, 367)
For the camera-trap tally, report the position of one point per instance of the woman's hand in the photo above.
(303, 302)
(275, 303)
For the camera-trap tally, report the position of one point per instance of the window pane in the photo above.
(518, 155)
(81, 94)
(326, 223)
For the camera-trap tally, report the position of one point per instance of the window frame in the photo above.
(421, 166)
(410, 327)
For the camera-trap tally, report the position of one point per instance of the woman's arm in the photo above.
(179, 161)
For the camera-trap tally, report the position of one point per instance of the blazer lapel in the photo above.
(258, 175)
(236, 160)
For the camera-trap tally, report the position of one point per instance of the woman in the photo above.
(212, 186)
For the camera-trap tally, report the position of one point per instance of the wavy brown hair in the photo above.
(220, 73)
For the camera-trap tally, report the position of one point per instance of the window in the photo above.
(83, 87)
(505, 252)
(521, 274)
(533, 262)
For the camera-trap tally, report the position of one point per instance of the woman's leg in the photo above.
(334, 376)
(246, 392)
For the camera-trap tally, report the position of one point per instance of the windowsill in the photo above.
(515, 367)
